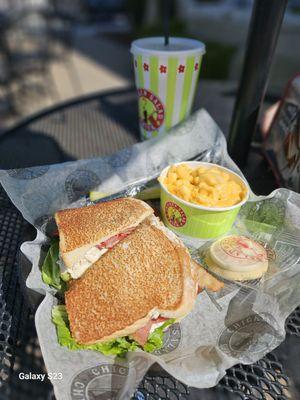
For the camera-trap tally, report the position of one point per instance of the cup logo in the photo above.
(151, 110)
(175, 214)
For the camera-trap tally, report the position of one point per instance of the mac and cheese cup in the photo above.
(194, 220)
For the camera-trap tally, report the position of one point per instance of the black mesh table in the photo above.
(93, 126)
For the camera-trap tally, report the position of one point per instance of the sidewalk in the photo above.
(94, 64)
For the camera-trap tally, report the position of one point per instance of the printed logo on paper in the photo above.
(80, 182)
(175, 214)
(172, 339)
(102, 382)
(151, 110)
(28, 173)
(105, 381)
(121, 158)
(252, 334)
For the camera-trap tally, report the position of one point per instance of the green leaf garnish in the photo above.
(51, 273)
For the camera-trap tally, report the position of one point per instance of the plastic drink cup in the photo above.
(166, 79)
(196, 221)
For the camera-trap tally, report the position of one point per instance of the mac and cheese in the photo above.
(206, 186)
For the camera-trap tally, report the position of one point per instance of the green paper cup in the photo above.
(166, 79)
(192, 220)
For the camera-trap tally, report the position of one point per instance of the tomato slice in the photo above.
(112, 241)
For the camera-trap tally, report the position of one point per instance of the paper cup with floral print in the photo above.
(166, 79)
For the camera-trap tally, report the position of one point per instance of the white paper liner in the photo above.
(240, 324)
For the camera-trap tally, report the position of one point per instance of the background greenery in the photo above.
(216, 62)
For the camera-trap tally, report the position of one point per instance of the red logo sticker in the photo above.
(151, 110)
(243, 248)
(175, 214)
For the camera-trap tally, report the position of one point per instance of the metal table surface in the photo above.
(93, 126)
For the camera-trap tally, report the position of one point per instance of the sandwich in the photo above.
(143, 281)
(85, 234)
(130, 278)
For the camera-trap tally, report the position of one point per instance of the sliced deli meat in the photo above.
(94, 253)
(112, 241)
(83, 229)
(142, 334)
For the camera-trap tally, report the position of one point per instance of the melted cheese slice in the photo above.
(90, 257)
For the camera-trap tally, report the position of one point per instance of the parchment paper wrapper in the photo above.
(241, 323)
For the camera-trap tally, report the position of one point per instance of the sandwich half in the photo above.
(129, 278)
(85, 234)
(143, 281)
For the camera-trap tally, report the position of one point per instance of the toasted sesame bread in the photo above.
(82, 228)
(148, 273)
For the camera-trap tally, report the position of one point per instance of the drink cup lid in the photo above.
(177, 47)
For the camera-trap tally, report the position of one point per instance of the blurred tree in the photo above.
(136, 10)
(148, 13)
(148, 17)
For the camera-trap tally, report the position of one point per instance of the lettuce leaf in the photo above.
(118, 347)
(65, 276)
(155, 339)
(51, 273)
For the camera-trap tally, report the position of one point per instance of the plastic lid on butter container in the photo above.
(237, 258)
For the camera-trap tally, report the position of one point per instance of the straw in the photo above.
(166, 20)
